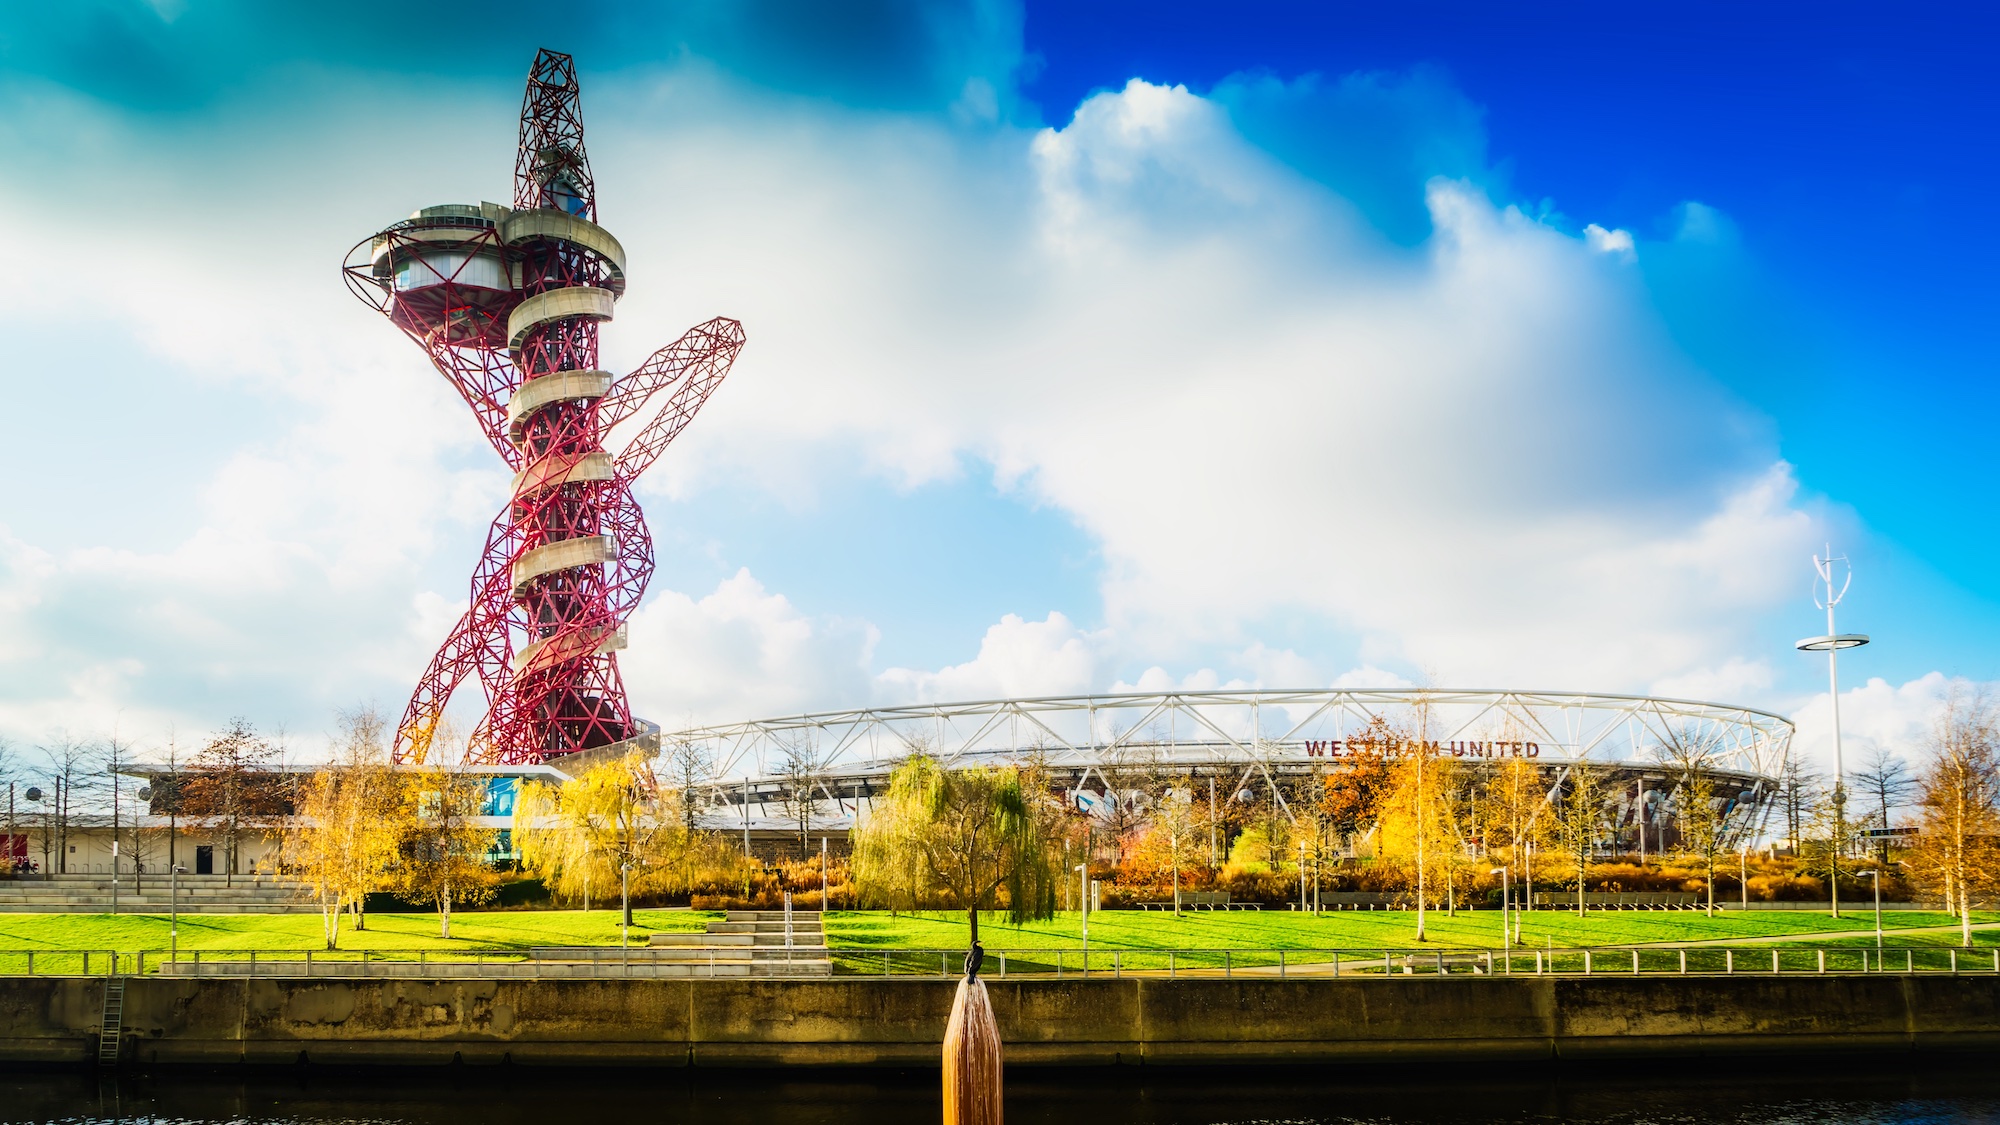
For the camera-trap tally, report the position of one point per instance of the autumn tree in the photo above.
(1580, 820)
(1516, 815)
(443, 852)
(1958, 842)
(1418, 832)
(232, 786)
(1353, 789)
(612, 825)
(345, 837)
(961, 835)
(1174, 821)
(1701, 810)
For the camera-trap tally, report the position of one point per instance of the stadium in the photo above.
(1248, 745)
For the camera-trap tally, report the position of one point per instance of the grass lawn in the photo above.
(498, 929)
(1128, 929)
(877, 930)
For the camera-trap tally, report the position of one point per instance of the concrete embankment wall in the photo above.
(1052, 1022)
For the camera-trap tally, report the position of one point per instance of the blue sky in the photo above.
(1090, 345)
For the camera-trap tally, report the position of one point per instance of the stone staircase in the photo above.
(745, 943)
(198, 894)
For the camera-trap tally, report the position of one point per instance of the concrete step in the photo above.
(731, 953)
(762, 927)
(703, 940)
(160, 908)
(769, 915)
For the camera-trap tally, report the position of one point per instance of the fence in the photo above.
(1703, 960)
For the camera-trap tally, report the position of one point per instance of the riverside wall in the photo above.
(900, 1023)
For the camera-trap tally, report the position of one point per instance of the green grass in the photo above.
(877, 931)
(1124, 929)
(510, 929)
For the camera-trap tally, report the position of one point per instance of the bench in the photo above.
(1202, 900)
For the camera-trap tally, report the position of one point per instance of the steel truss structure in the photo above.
(506, 302)
(1253, 738)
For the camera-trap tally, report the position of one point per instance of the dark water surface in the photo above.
(1748, 1091)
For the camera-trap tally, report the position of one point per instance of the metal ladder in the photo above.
(112, 1026)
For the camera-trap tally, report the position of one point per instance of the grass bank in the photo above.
(877, 930)
(1126, 929)
(510, 929)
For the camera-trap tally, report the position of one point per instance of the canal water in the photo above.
(1731, 1091)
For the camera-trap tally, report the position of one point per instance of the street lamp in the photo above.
(1083, 885)
(1831, 644)
(1506, 936)
(1875, 873)
(1743, 873)
(174, 912)
(625, 902)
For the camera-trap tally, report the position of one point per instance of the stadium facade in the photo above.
(1253, 745)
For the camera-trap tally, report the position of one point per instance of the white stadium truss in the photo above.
(1251, 737)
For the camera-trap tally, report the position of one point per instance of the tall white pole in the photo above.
(1083, 885)
(1839, 775)
(1831, 644)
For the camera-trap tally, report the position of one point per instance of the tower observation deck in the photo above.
(506, 301)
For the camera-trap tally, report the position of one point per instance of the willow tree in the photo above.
(959, 836)
(609, 826)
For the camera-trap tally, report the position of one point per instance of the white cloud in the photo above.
(1482, 456)
(741, 652)
(1735, 679)
(1617, 243)
(1016, 658)
(1876, 714)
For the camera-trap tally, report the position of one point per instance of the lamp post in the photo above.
(1506, 935)
(113, 771)
(1302, 876)
(1875, 873)
(1640, 815)
(1083, 887)
(1743, 873)
(173, 913)
(625, 902)
(1831, 644)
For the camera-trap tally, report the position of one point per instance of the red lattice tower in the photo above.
(506, 301)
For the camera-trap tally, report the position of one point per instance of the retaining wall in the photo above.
(901, 1022)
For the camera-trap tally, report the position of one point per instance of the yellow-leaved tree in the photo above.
(443, 852)
(1580, 820)
(343, 841)
(613, 825)
(961, 836)
(1957, 853)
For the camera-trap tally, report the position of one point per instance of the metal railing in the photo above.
(770, 962)
(1704, 960)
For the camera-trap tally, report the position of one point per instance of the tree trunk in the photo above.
(444, 912)
(972, 918)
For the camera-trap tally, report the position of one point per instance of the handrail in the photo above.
(1757, 959)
